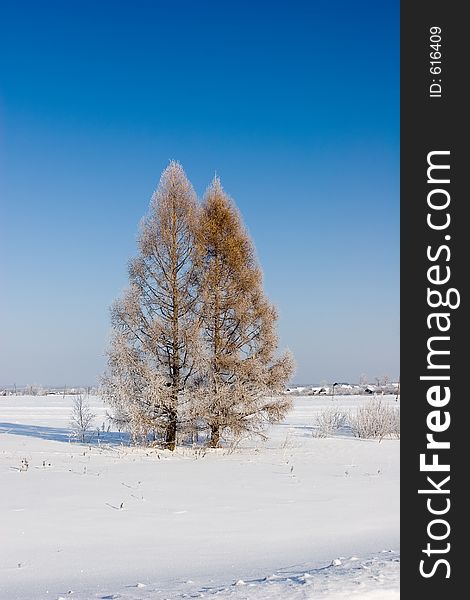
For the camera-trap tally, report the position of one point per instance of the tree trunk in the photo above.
(170, 435)
(215, 436)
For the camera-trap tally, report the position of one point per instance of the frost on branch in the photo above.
(81, 418)
(329, 421)
(376, 420)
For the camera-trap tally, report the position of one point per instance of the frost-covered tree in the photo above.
(81, 418)
(241, 372)
(155, 324)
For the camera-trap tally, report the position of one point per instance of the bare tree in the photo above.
(152, 354)
(81, 418)
(238, 324)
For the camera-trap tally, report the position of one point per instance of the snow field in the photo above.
(112, 521)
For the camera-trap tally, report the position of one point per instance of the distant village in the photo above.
(40, 390)
(346, 389)
(380, 386)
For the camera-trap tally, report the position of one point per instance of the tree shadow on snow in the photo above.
(61, 434)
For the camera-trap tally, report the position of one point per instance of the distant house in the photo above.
(320, 391)
(296, 390)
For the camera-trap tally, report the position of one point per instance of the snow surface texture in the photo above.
(297, 516)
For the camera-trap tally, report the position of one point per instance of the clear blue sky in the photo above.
(294, 104)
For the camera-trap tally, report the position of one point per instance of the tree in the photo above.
(81, 418)
(238, 328)
(155, 324)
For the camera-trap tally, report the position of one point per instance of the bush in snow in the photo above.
(81, 418)
(375, 420)
(328, 421)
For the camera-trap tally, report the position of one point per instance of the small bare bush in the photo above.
(376, 420)
(328, 421)
(81, 418)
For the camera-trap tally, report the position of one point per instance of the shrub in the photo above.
(328, 421)
(375, 420)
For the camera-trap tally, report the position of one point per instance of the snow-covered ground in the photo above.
(295, 516)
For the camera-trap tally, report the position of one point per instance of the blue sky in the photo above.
(295, 105)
